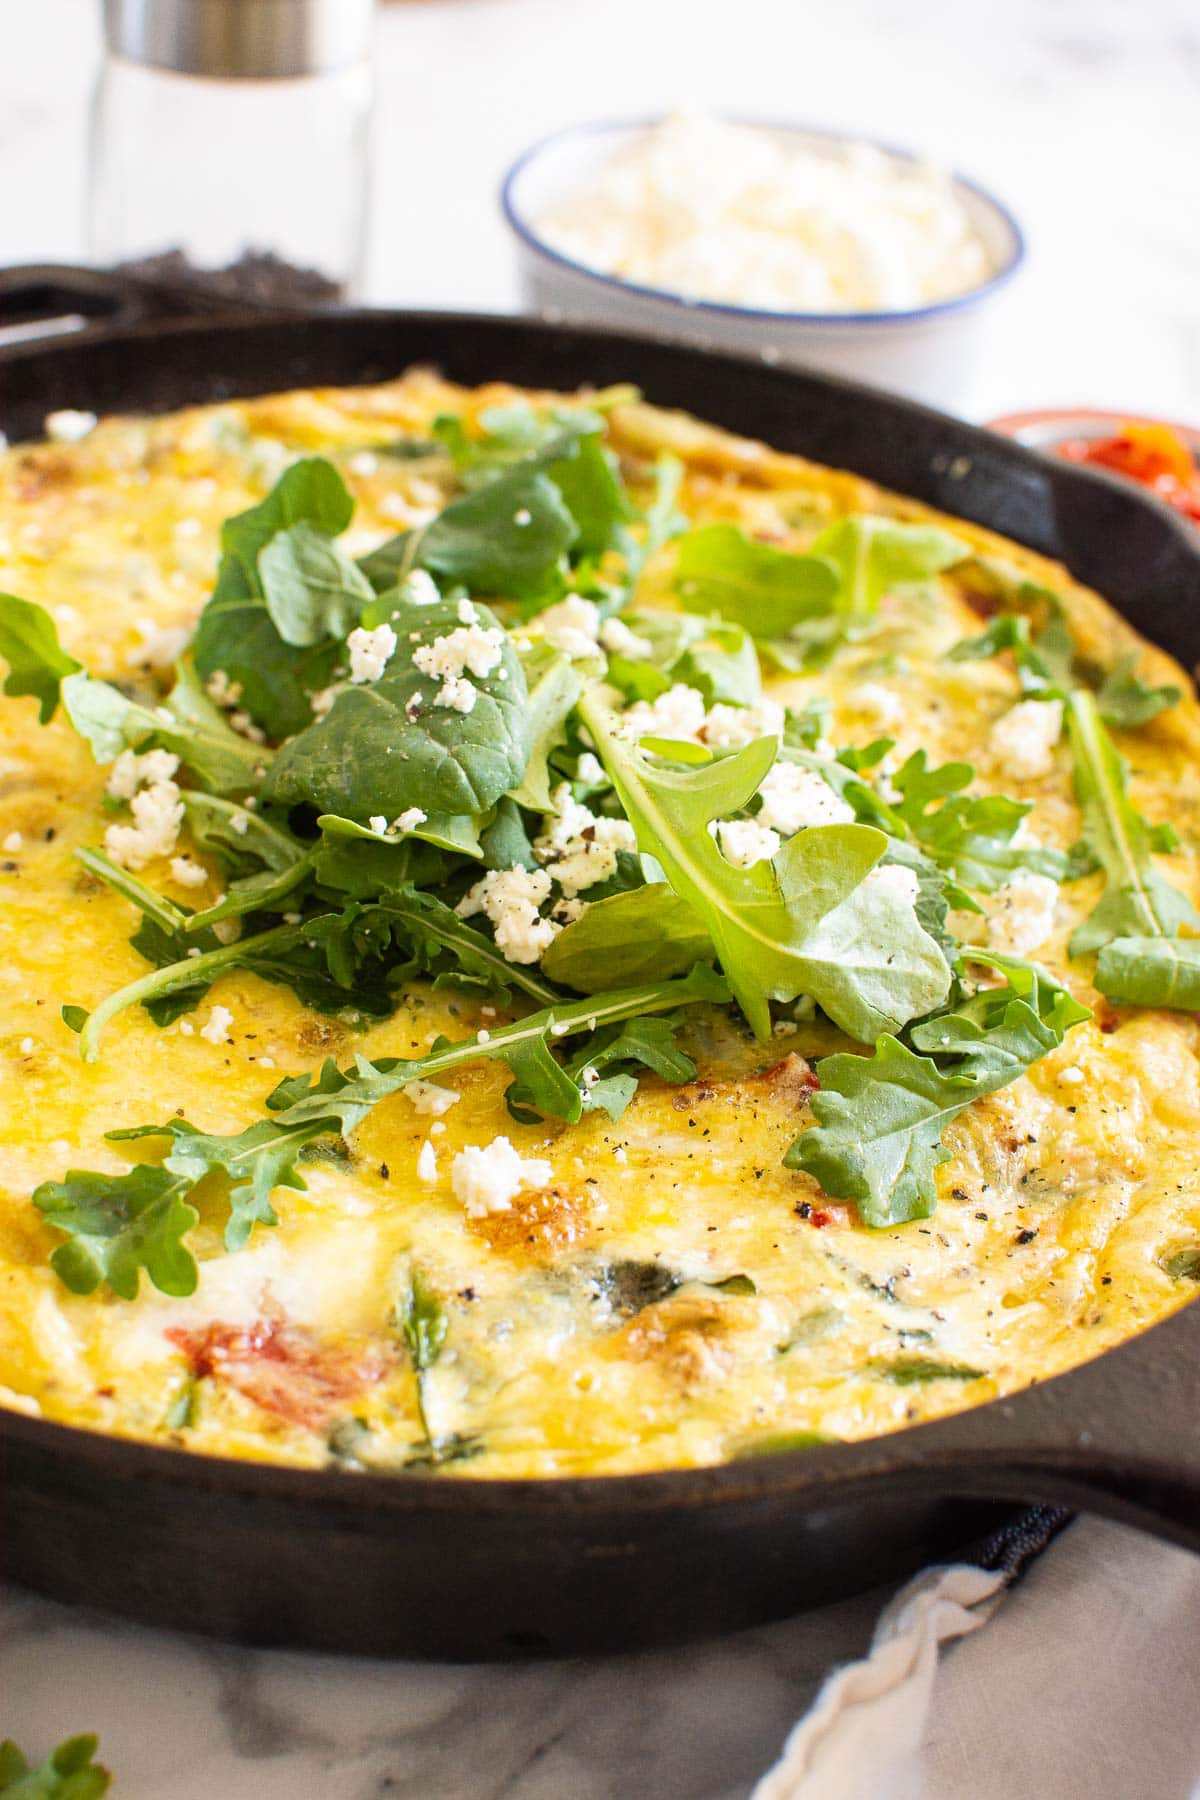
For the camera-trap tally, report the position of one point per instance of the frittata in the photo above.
(643, 949)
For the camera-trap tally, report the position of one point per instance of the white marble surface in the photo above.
(1085, 115)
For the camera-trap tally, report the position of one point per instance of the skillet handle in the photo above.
(1118, 1436)
(55, 299)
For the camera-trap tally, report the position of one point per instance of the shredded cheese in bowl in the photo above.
(771, 220)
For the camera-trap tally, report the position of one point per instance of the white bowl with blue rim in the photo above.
(928, 352)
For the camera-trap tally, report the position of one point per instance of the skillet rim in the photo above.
(824, 1473)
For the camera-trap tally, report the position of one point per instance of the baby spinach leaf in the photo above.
(236, 635)
(386, 747)
(554, 687)
(68, 1773)
(36, 661)
(880, 1118)
(1137, 901)
(800, 925)
(766, 591)
(1151, 971)
(644, 934)
(507, 538)
(313, 591)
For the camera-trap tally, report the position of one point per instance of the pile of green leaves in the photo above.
(291, 774)
(68, 1773)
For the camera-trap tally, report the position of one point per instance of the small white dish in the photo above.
(927, 353)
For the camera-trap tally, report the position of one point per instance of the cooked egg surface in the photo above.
(587, 1328)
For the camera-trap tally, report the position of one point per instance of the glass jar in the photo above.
(231, 145)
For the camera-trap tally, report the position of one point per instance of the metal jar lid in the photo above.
(256, 40)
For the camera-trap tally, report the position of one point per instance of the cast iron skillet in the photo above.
(467, 1568)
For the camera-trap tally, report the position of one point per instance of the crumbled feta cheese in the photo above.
(186, 1028)
(242, 722)
(13, 842)
(131, 771)
(878, 704)
(221, 690)
(619, 640)
(322, 702)
(420, 589)
(590, 770)
(428, 1097)
(363, 463)
(217, 1029)
(729, 727)
(785, 1028)
(159, 645)
(370, 651)
(467, 612)
(567, 911)
(487, 1179)
(477, 648)
(409, 819)
(581, 848)
(69, 426)
(510, 898)
(571, 626)
(26, 1046)
(427, 1169)
(744, 842)
(1023, 739)
(523, 516)
(377, 823)
(226, 931)
(679, 713)
(894, 878)
(240, 822)
(457, 694)
(794, 797)
(158, 815)
(1022, 916)
(187, 873)
(1072, 1076)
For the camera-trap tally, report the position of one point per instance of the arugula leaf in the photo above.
(187, 723)
(873, 555)
(1125, 700)
(765, 590)
(442, 945)
(880, 1118)
(803, 924)
(37, 663)
(644, 934)
(1137, 901)
(236, 635)
(1151, 971)
(647, 1043)
(971, 835)
(313, 591)
(68, 1773)
(118, 1224)
(386, 747)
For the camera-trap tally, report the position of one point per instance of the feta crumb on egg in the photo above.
(26, 1046)
(1022, 740)
(13, 842)
(1072, 1076)
(1022, 915)
(217, 1029)
(158, 814)
(363, 463)
(794, 797)
(429, 1097)
(187, 873)
(572, 626)
(878, 704)
(427, 1169)
(744, 842)
(510, 899)
(487, 1179)
(68, 426)
(370, 651)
